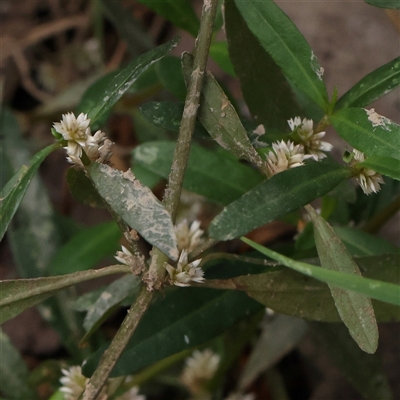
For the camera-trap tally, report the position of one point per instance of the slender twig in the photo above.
(171, 199)
(172, 194)
(117, 346)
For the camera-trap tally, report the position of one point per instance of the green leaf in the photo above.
(169, 73)
(179, 12)
(206, 173)
(368, 132)
(127, 26)
(108, 301)
(136, 205)
(362, 244)
(219, 53)
(13, 193)
(277, 339)
(375, 289)
(86, 249)
(292, 293)
(355, 309)
(384, 165)
(265, 89)
(20, 294)
(372, 86)
(102, 96)
(82, 189)
(363, 371)
(219, 117)
(276, 197)
(168, 116)
(184, 318)
(384, 3)
(282, 40)
(13, 372)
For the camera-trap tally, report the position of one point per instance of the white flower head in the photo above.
(185, 272)
(199, 368)
(368, 179)
(73, 382)
(285, 155)
(76, 132)
(188, 238)
(310, 140)
(125, 257)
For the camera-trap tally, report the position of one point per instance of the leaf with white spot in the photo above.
(136, 205)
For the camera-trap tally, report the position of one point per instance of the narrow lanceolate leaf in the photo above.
(179, 12)
(384, 3)
(388, 166)
(82, 189)
(363, 371)
(108, 301)
(282, 40)
(375, 289)
(113, 88)
(206, 172)
(13, 372)
(136, 205)
(86, 249)
(13, 193)
(276, 197)
(169, 73)
(180, 320)
(220, 118)
(355, 309)
(368, 132)
(362, 244)
(265, 88)
(20, 294)
(372, 86)
(289, 292)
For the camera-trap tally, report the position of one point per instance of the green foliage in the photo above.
(184, 318)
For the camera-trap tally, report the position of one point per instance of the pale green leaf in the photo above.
(20, 294)
(383, 291)
(355, 309)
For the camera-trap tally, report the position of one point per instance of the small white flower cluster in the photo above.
(185, 272)
(311, 140)
(368, 179)
(76, 131)
(73, 384)
(188, 238)
(285, 155)
(200, 367)
(291, 154)
(125, 257)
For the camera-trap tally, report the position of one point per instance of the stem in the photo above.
(117, 346)
(173, 192)
(378, 220)
(171, 199)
